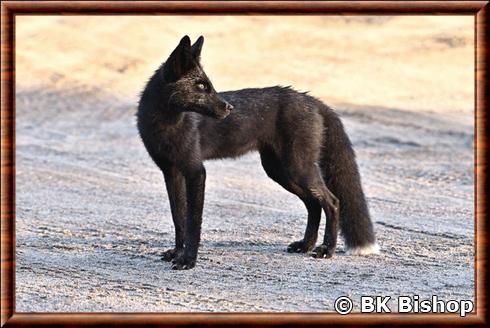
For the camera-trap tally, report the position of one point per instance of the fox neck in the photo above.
(169, 117)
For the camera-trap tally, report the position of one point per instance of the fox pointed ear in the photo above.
(179, 62)
(197, 47)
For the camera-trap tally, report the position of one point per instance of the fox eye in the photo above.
(201, 86)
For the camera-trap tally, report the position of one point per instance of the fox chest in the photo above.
(171, 145)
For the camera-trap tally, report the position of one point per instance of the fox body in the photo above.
(303, 147)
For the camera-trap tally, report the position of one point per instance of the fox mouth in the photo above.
(204, 110)
(217, 112)
(223, 114)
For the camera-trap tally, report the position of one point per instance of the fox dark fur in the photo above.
(302, 143)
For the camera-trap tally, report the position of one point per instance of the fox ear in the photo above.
(179, 62)
(197, 47)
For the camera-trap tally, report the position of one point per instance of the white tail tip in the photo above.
(365, 250)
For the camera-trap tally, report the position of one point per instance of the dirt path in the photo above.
(93, 216)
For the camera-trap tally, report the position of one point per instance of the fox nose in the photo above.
(228, 106)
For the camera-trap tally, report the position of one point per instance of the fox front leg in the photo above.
(195, 184)
(175, 183)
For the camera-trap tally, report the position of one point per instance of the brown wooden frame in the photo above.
(9, 9)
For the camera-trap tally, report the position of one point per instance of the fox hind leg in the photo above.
(311, 232)
(330, 205)
(307, 176)
(274, 169)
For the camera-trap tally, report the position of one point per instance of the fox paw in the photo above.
(183, 263)
(323, 252)
(170, 254)
(299, 247)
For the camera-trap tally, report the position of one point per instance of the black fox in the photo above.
(303, 147)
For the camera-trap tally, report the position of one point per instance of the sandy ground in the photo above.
(92, 212)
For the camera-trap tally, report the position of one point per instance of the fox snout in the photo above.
(228, 106)
(226, 110)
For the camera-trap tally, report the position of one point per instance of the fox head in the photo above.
(187, 86)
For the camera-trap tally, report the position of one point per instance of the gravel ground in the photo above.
(93, 216)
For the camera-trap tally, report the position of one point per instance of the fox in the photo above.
(303, 146)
